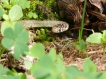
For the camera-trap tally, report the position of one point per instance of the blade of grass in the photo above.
(1, 50)
(82, 22)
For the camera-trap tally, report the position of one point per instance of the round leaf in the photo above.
(94, 38)
(37, 50)
(6, 25)
(15, 13)
(20, 49)
(7, 43)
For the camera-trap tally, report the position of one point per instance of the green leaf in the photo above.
(72, 72)
(20, 34)
(17, 37)
(28, 64)
(14, 2)
(24, 34)
(94, 38)
(9, 33)
(104, 36)
(5, 17)
(37, 50)
(7, 43)
(9, 40)
(12, 77)
(20, 49)
(52, 54)
(4, 1)
(43, 68)
(15, 13)
(21, 38)
(41, 73)
(3, 71)
(32, 15)
(1, 12)
(89, 66)
(22, 76)
(104, 75)
(81, 46)
(6, 4)
(18, 29)
(5, 25)
(1, 77)
(60, 65)
(24, 4)
(35, 15)
(46, 62)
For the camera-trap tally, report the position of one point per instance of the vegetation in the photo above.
(49, 65)
(44, 35)
(98, 38)
(81, 44)
(46, 10)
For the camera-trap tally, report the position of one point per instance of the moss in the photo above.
(45, 9)
(43, 35)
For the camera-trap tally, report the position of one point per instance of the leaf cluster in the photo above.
(8, 4)
(14, 33)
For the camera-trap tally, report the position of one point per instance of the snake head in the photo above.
(60, 27)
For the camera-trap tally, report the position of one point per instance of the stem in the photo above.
(82, 22)
(2, 50)
(64, 46)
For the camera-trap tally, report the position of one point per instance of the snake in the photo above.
(57, 26)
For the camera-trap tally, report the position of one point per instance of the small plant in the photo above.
(43, 35)
(98, 38)
(8, 4)
(82, 22)
(81, 44)
(82, 47)
(14, 33)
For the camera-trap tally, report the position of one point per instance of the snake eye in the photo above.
(60, 28)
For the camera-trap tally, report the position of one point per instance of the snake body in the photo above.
(57, 26)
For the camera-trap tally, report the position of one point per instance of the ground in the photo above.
(71, 55)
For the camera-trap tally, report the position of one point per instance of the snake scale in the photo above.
(57, 26)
